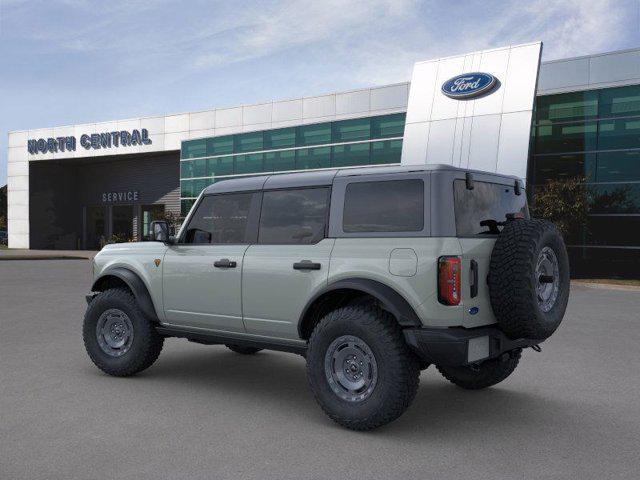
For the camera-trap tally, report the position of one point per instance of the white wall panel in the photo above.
(514, 143)
(440, 145)
(253, 114)
(392, 96)
(228, 130)
(176, 123)
(17, 154)
(352, 102)
(314, 107)
(17, 168)
(520, 83)
(614, 67)
(173, 141)
(228, 117)
(422, 92)
(18, 139)
(210, 132)
(202, 120)
(16, 184)
(414, 145)
(18, 240)
(483, 143)
(287, 111)
(562, 74)
(444, 107)
(130, 124)
(154, 125)
(494, 62)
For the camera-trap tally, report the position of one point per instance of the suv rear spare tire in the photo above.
(529, 279)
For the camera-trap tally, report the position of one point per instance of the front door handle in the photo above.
(306, 265)
(224, 263)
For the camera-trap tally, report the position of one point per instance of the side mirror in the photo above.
(159, 231)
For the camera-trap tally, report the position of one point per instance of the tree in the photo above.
(564, 202)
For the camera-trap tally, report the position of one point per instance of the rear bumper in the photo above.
(454, 347)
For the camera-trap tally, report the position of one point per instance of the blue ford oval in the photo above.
(469, 85)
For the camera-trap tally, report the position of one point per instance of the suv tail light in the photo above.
(449, 280)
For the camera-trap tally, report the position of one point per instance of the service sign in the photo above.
(93, 141)
(469, 85)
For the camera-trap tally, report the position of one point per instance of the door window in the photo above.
(296, 216)
(221, 219)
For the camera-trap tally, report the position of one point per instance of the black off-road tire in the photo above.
(243, 350)
(485, 375)
(398, 369)
(146, 343)
(513, 279)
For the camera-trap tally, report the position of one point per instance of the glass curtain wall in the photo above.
(362, 141)
(595, 136)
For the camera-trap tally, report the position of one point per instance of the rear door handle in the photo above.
(224, 263)
(306, 265)
(474, 278)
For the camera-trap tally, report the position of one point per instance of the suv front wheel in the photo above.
(118, 337)
(360, 370)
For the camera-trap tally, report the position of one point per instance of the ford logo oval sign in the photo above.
(469, 85)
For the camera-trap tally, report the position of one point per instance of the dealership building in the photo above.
(79, 186)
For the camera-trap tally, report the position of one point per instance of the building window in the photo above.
(308, 158)
(350, 155)
(280, 138)
(314, 134)
(351, 130)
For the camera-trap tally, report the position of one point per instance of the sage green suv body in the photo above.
(261, 262)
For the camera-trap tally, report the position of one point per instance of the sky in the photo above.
(65, 62)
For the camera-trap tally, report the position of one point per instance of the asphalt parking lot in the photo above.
(572, 411)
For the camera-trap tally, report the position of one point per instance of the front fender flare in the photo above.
(135, 284)
(389, 299)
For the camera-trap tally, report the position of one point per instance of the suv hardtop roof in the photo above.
(325, 177)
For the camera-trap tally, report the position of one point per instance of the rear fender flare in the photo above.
(389, 299)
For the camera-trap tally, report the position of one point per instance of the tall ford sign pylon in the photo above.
(474, 110)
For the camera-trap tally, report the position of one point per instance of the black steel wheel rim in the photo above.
(114, 332)
(351, 368)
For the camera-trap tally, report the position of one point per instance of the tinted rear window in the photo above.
(388, 206)
(488, 203)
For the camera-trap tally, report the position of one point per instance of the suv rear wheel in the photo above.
(360, 370)
(118, 337)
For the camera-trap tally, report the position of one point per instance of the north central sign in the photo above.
(93, 141)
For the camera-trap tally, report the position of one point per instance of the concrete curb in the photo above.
(606, 286)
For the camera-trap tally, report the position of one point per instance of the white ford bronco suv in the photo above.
(372, 274)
